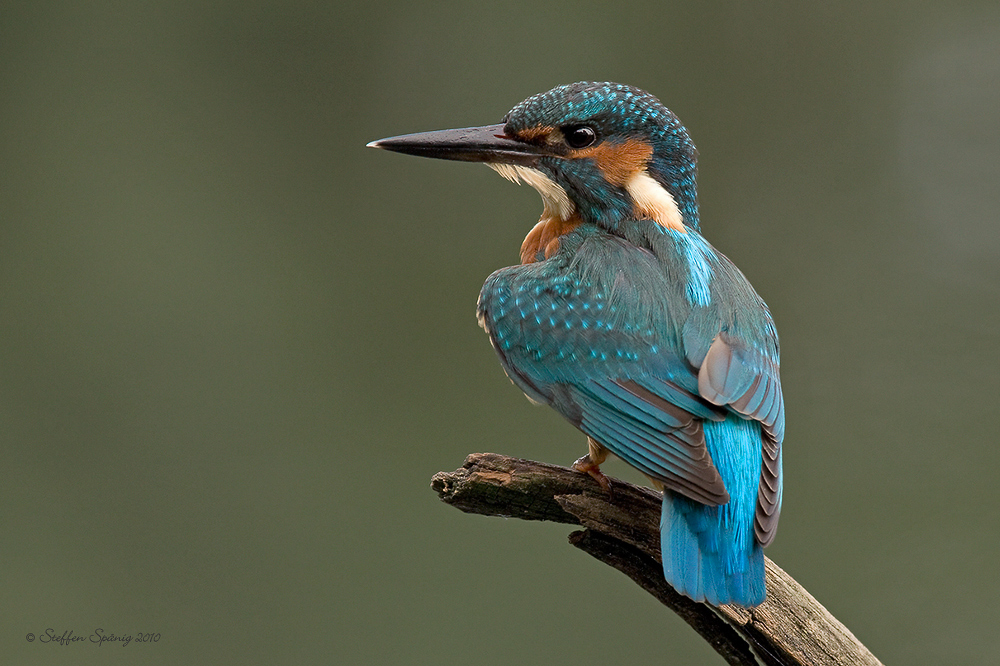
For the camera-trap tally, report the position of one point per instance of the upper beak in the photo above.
(469, 144)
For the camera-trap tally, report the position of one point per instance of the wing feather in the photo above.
(674, 456)
(602, 332)
(746, 380)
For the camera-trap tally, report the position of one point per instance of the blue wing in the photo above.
(610, 336)
(735, 350)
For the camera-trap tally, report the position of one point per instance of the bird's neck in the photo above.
(641, 194)
(638, 201)
(642, 201)
(652, 201)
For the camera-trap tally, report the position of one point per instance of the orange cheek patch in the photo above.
(618, 161)
(543, 239)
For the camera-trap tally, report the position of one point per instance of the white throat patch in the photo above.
(554, 198)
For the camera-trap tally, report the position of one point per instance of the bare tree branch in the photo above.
(789, 629)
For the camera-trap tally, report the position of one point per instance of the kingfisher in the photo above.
(626, 321)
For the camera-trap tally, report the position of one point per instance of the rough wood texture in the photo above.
(789, 629)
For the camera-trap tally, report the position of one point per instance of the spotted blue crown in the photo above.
(621, 111)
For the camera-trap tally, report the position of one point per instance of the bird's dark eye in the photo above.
(579, 136)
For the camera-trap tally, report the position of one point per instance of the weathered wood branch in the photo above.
(789, 629)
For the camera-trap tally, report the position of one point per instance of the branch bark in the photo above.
(789, 629)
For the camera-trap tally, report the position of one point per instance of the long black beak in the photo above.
(469, 144)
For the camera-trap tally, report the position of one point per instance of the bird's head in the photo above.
(605, 153)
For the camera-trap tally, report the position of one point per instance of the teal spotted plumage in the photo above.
(627, 322)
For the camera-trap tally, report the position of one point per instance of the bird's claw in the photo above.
(587, 465)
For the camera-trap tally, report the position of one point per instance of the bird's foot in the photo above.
(587, 465)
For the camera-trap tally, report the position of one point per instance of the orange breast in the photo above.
(543, 240)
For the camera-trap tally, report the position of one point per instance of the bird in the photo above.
(624, 319)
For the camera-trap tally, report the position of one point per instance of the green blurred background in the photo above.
(235, 344)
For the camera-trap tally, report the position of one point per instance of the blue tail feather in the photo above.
(707, 565)
(709, 552)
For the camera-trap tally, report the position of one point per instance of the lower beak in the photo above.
(469, 144)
